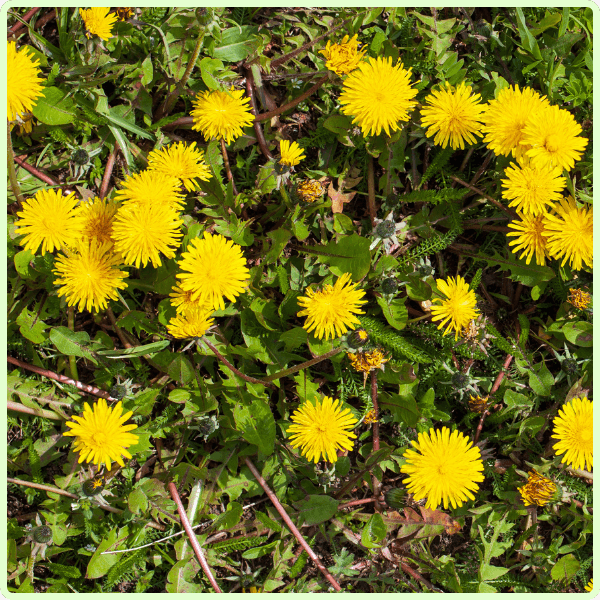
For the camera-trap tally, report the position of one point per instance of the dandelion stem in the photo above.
(192, 537)
(12, 174)
(110, 165)
(25, 18)
(35, 172)
(500, 376)
(376, 411)
(508, 211)
(371, 186)
(260, 136)
(227, 166)
(72, 358)
(304, 365)
(291, 526)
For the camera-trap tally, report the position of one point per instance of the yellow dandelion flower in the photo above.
(458, 308)
(505, 118)
(331, 311)
(445, 468)
(291, 153)
(182, 301)
(569, 233)
(24, 122)
(182, 161)
(216, 269)
(589, 586)
(532, 188)
(89, 275)
(24, 81)
(453, 115)
(478, 404)
(98, 21)
(529, 232)
(574, 430)
(222, 115)
(151, 187)
(50, 219)
(344, 57)
(100, 434)
(320, 429)
(310, 190)
(98, 218)
(579, 298)
(538, 490)
(142, 232)
(378, 96)
(553, 136)
(124, 13)
(195, 322)
(365, 362)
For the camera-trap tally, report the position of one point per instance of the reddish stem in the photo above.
(18, 24)
(260, 136)
(192, 537)
(227, 166)
(292, 527)
(416, 575)
(508, 211)
(41, 176)
(500, 377)
(88, 389)
(110, 164)
(357, 502)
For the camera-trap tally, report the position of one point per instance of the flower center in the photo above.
(586, 435)
(552, 143)
(443, 468)
(99, 438)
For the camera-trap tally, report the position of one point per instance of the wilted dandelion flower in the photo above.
(574, 430)
(378, 96)
(182, 301)
(538, 490)
(553, 137)
(100, 434)
(151, 187)
(368, 361)
(458, 308)
(478, 404)
(445, 468)
(221, 115)
(505, 118)
(529, 232)
(532, 188)
(50, 219)
(195, 322)
(310, 190)
(182, 161)
(124, 13)
(344, 57)
(24, 81)
(320, 429)
(98, 215)
(569, 234)
(89, 275)
(98, 21)
(291, 153)
(142, 232)
(216, 269)
(370, 417)
(453, 115)
(579, 298)
(331, 311)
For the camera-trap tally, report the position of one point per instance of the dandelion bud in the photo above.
(42, 535)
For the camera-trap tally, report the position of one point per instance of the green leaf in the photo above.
(338, 123)
(260, 551)
(54, 108)
(180, 578)
(404, 408)
(136, 351)
(279, 238)
(294, 338)
(394, 311)
(23, 261)
(565, 568)
(374, 532)
(540, 379)
(72, 343)
(580, 333)
(235, 44)
(100, 563)
(316, 509)
(31, 327)
(257, 425)
(209, 67)
(181, 369)
(137, 501)
(230, 518)
(350, 255)
(490, 572)
(125, 124)
(527, 274)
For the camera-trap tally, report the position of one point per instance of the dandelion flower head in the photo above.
(195, 322)
(529, 233)
(368, 361)
(183, 302)
(505, 118)
(310, 190)
(444, 468)
(182, 161)
(98, 21)
(589, 586)
(89, 275)
(453, 115)
(98, 215)
(331, 311)
(574, 430)
(124, 12)
(142, 232)
(216, 268)
(569, 233)
(101, 435)
(222, 115)
(378, 96)
(291, 153)
(552, 135)
(538, 490)
(344, 57)
(579, 298)
(530, 188)
(478, 404)
(51, 220)
(151, 187)
(457, 309)
(322, 428)
(23, 79)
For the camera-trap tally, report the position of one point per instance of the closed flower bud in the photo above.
(389, 286)
(42, 535)
(395, 497)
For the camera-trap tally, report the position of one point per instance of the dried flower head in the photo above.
(579, 298)
(538, 490)
(310, 190)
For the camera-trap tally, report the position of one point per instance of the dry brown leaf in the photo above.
(338, 199)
